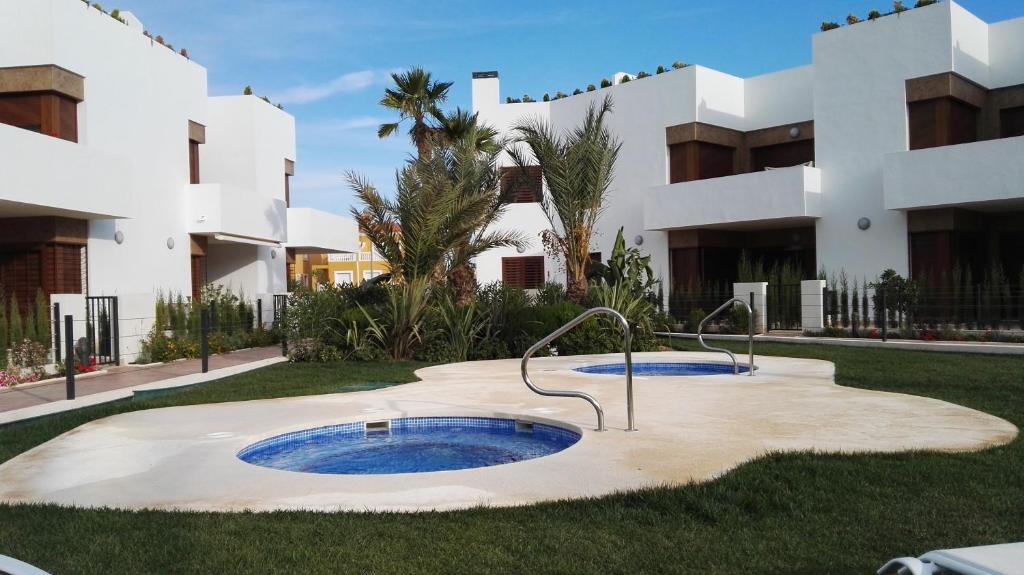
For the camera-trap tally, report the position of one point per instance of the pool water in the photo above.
(655, 369)
(409, 445)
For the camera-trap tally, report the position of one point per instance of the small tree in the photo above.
(660, 69)
(642, 74)
(5, 340)
(577, 92)
(874, 15)
(624, 79)
(844, 299)
(855, 313)
(546, 97)
(247, 91)
(591, 87)
(677, 65)
(898, 7)
(527, 98)
(922, 3)
(826, 26)
(42, 318)
(605, 83)
(852, 19)
(17, 330)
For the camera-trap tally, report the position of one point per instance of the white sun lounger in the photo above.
(1005, 559)
(9, 566)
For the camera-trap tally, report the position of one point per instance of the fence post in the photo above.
(56, 332)
(284, 327)
(115, 331)
(204, 341)
(213, 314)
(259, 314)
(753, 314)
(885, 314)
(69, 353)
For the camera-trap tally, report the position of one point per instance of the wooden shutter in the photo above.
(523, 272)
(525, 185)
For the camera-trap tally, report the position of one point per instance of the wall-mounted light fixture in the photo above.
(794, 132)
(119, 237)
(170, 243)
(521, 249)
(638, 240)
(273, 254)
(864, 223)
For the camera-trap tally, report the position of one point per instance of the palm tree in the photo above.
(578, 167)
(460, 124)
(438, 221)
(417, 97)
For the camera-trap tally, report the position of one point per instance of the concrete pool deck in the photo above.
(691, 428)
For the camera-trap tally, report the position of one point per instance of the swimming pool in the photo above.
(409, 445)
(674, 368)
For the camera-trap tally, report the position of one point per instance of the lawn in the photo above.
(787, 513)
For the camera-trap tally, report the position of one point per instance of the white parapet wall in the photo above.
(743, 290)
(812, 314)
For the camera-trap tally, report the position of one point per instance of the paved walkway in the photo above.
(128, 376)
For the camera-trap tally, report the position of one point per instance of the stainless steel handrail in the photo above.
(586, 396)
(750, 322)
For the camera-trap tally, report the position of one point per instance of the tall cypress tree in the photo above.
(17, 331)
(43, 319)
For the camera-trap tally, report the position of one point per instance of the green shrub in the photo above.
(826, 26)
(660, 70)
(547, 97)
(591, 87)
(17, 331)
(605, 83)
(852, 19)
(677, 65)
(921, 3)
(897, 6)
(874, 15)
(693, 322)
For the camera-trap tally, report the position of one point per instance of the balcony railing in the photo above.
(979, 172)
(218, 209)
(784, 193)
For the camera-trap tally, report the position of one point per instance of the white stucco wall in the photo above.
(1006, 53)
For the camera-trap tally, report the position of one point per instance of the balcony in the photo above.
(988, 173)
(315, 231)
(233, 214)
(44, 176)
(785, 195)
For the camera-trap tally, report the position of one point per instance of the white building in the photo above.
(900, 147)
(122, 177)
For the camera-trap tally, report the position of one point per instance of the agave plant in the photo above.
(578, 167)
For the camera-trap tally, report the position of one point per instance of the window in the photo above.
(1011, 122)
(694, 160)
(50, 114)
(941, 122)
(370, 274)
(342, 278)
(523, 272)
(525, 185)
(288, 190)
(781, 155)
(193, 162)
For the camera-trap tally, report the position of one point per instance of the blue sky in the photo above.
(328, 60)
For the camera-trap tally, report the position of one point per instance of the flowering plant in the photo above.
(88, 368)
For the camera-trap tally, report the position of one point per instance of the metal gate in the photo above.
(101, 329)
(783, 306)
(280, 301)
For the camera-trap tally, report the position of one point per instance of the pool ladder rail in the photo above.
(626, 340)
(750, 338)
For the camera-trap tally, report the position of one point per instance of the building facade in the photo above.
(339, 268)
(123, 177)
(898, 147)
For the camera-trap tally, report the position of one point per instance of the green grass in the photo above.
(787, 513)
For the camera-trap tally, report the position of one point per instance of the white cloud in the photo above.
(345, 124)
(344, 84)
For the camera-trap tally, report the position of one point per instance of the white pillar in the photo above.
(760, 290)
(812, 313)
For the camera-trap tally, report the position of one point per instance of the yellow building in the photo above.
(310, 269)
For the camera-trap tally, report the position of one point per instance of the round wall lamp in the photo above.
(638, 240)
(119, 237)
(273, 254)
(521, 249)
(794, 132)
(170, 243)
(864, 223)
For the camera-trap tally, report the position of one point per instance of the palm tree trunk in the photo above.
(463, 280)
(576, 290)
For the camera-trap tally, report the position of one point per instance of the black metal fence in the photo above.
(101, 329)
(783, 306)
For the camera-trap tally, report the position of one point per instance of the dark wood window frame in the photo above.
(524, 185)
(524, 272)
